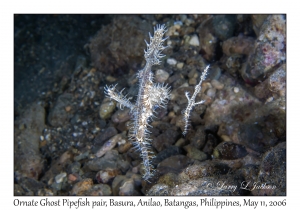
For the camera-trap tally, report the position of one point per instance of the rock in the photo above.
(198, 141)
(111, 160)
(251, 159)
(170, 179)
(216, 84)
(168, 152)
(269, 49)
(211, 92)
(137, 178)
(121, 116)
(72, 178)
(161, 75)
(256, 136)
(125, 49)
(173, 30)
(159, 190)
(236, 89)
(106, 109)
(225, 138)
(123, 164)
(271, 179)
(238, 45)
(82, 156)
(232, 64)
(173, 164)
(30, 185)
(194, 41)
(224, 26)
(105, 135)
(116, 184)
(58, 116)
(165, 139)
(257, 21)
(27, 157)
(171, 61)
(127, 188)
(108, 161)
(124, 145)
(58, 166)
(180, 142)
(229, 151)
(211, 143)
(18, 190)
(99, 190)
(274, 86)
(108, 145)
(214, 73)
(104, 176)
(180, 65)
(81, 187)
(110, 79)
(206, 178)
(213, 29)
(208, 186)
(229, 110)
(202, 169)
(74, 167)
(249, 173)
(208, 42)
(46, 192)
(60, 177)
(192, 81)
(194, 153)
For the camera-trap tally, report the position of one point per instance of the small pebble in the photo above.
(127, 188)
(48, 137)
(80, 187)
(72, 178)
(236, 89)
(183, 17)
(180, 65)
(192, 81)
(124, 147)
(104, 176)
(60, 177)
(106, 108)
(108, 145)
(122, 115)
(194, 153)
(216, 84)
(194, 41)
(68, 108)
(161, 75)
(43, 143)
(99, 190)
(211, 92)
(135, 169)
(171, 61)
(269, 100)
(193, 74)
(225, 138)
(188, 21)
(180, 142)
(110, 79)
